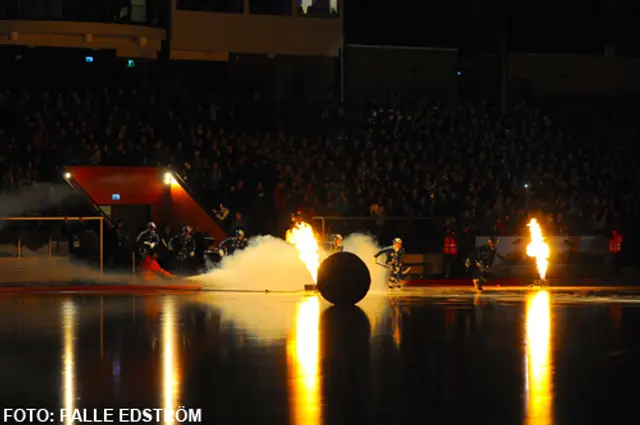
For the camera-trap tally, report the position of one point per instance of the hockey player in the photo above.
(184, 246)
(233, 244)
(394, 256)
(148, 239)
(480, 261)
(337, 246)
(296, 218)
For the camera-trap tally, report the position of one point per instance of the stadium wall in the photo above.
(574, 75)
(284, 77)
(198, 34)
(170, 204)
(378, 70)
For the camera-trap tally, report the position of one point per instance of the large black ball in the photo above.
(343, 279)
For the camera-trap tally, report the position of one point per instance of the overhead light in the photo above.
(67, 175)
(169, 179)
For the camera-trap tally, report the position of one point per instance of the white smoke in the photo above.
(267, 264)
(272, 264)
(38, 266)
(56, 270)
(38, 197)
(365, 247)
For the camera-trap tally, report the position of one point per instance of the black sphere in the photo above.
(343, 279)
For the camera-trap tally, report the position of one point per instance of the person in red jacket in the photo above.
(615, 248)
(450, 253)
(149, 269)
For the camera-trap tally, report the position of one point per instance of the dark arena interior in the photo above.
(294, 212)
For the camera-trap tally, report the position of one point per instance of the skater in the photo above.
(148, 239)
(149, 269)
(233, 244)
(395, 255)
(480, 261)
(337, 246)
(184, 246)
(296, 218)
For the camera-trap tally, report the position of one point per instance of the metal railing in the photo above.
(198, 198)
(78, 188)
(420, 234)
(48, 233)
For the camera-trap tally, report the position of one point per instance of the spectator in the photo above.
(403, 159)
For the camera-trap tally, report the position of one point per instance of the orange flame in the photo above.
(303, 238)
(538, 248)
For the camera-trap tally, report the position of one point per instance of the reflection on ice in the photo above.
(266, 317)
(68, 313)
(170, 355)
(270, 317)
(303, 353)
(538, 376)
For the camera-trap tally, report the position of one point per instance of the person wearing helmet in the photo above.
(337, 246)
(394, 256)
(480, 261)
(184, 245)
(296, 218)
(148, 239)
(233, 244)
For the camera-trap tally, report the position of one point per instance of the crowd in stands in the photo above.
(486, 172)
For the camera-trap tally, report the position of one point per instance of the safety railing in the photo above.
(198, 197)
(420, 234)
(39, 237)
(81, 191)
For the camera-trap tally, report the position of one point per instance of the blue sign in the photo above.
(115, 197)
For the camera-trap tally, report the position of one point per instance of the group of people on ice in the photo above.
(478, 263)
(183, 246)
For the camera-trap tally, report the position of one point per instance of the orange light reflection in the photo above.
(303, 351)
(68, 313)
(538, 379)
(170, 356)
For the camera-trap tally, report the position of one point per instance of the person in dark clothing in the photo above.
(233, 244)
(120, 255)
(148, 239)
(75, 231)
(394, 256)
(480, 260)
(297, 218)
(337, 246)
(184, 247)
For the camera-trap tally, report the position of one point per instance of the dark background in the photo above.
(474, 26)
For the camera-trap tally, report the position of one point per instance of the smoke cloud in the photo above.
(36, 198)
(272, 264)
(267, 264)
(55, 270)
(365, 247)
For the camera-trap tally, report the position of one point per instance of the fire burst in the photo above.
(538, 248)
(302, 237)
